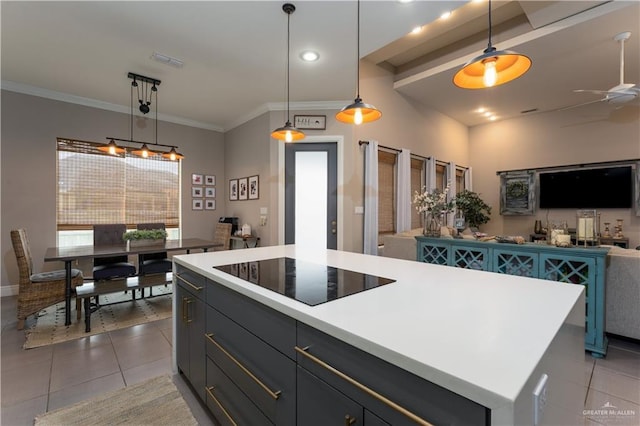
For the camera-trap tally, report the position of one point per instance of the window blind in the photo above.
(98, 188)
(386, 192)
(417, 167)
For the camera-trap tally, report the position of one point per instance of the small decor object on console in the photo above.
(618, 228)
(433, 205)
(606, 233)
(586, 227)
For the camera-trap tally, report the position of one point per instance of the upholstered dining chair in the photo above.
(38, 291)
(153, 263)
(107, 268)
(222, 236)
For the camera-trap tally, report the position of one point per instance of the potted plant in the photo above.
(145, 237)
(475, 211)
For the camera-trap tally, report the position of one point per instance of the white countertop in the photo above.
(478, 334)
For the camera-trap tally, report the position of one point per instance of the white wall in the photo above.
(576, 136)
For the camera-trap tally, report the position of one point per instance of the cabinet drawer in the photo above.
(265, 375)
(270, 326)
(424, 399)
(319, 404)
(227, 403)
(192, 282)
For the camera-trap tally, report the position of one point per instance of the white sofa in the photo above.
(622, 281)
(622, 287)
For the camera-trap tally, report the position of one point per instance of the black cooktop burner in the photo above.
(307, 282)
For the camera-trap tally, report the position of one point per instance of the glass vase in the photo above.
(432, 225)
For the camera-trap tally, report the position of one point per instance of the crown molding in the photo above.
(282, 106)
(93, 103)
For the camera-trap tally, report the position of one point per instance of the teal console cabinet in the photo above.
(585, 266)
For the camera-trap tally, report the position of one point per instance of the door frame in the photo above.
(339, 141)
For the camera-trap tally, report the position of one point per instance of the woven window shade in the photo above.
(441, 176)
(459, 180)
(98, 188)
(386, 192)
(417, 167)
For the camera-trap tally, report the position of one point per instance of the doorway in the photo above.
(311, 194)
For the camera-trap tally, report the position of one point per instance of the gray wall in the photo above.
(30, 126)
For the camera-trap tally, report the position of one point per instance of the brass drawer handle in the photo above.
(369, 391)
(193, 286)
(185, 315)
(274, 395)
(349, 420)
(219, 404)
(188, 301)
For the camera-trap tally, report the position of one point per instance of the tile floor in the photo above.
(42, 379)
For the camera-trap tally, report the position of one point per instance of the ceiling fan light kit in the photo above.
(288, 132)
(492, 68)
(358, 112)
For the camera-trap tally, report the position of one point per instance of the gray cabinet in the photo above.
(385, 393)
(245, 341)
(190, 326)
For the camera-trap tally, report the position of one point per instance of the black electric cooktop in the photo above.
(307, 282)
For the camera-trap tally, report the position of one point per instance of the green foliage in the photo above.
(145, 234)
(475, 211)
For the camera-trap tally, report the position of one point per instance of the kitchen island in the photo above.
(436, 345)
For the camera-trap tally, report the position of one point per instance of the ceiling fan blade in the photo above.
(579, 105)
(597, 92)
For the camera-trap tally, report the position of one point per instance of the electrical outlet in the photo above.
(540, 399)
(263, 220)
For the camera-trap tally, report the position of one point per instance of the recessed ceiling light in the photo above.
(481, 110)
(493, 118)
(445, 15)
(309, 56)
(404, 1)
(416, 30)
(487, 113)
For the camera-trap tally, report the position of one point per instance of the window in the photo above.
(98, 188)
(417, 182)
(441, 176)
(386, 192)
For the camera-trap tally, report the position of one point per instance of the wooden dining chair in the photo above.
(222, 236)
(39, 291)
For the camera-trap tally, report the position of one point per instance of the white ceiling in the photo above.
(235, 53)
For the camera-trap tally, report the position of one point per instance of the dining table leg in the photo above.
(67, 293)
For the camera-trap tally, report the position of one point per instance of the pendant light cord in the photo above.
(489, 46)
(358, 54)
(288, 50)
(131, 112)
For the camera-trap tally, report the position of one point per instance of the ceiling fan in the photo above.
(620, 94)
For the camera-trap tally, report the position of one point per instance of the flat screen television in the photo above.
(602, 188)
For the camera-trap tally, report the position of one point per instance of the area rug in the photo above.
(49, 327)
(154, 402)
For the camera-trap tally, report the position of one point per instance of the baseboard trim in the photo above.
(8, 290)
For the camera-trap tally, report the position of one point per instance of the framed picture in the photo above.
(197, 205)
(234, 269)
(233, 189)
(254, 190)
(310, 122)
(254, 272)
(209, 204)
(518, 193)
(196, 191)
(242, 189)
(210, 180)
(196, 179)
(244, 271)
(210, 192)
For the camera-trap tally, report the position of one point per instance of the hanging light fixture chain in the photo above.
(289, 12)
(358, 54)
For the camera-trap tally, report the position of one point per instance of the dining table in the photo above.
(68, 254)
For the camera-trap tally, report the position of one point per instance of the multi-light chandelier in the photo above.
(145, 88)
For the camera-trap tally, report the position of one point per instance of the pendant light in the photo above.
(112, 148)
(288, 132)
(492, 68)
(358, 112)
